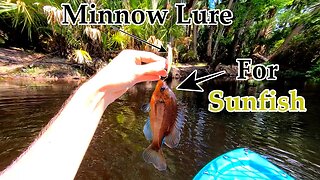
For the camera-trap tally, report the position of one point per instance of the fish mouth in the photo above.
(161, 101)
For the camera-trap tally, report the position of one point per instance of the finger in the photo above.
(163, 73)
(147, 57)
(156, 68)
(148, 78)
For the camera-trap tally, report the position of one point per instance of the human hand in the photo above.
(126, 70)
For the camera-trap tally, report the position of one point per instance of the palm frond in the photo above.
(7, 6)
(82, 56)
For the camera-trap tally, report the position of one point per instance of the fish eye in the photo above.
(162, 89)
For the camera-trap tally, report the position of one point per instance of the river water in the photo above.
(289, 140)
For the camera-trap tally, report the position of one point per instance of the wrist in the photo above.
(96, 89)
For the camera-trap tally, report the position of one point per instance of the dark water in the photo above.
(289, 140)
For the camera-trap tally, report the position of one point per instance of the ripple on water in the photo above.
(289, 140)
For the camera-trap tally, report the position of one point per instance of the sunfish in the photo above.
(163, 126)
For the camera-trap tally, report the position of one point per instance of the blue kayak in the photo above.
(241, 164)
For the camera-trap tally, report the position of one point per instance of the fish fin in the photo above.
(145, 108)
(155, 157)
(173, 138)
(147, 130)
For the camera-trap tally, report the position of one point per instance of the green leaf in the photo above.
(7, 6)
(82, 56)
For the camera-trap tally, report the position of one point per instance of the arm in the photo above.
(58, 152)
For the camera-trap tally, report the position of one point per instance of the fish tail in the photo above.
(150, 155)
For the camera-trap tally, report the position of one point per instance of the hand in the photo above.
(81, 115)
(126, 70)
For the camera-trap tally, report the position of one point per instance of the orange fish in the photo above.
(165, 123)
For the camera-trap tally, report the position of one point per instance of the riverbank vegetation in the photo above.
(286, 32)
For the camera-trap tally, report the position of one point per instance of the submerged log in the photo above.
(184, 71)
(259, 56)
(231, 70)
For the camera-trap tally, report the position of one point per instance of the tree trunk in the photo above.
(215, 62)
(195, 39)
(264, 33)
(209, 47)
(216, 46)
(234, 45)
(285, 44)
(191, 5)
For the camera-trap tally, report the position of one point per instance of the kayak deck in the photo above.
(241, 164)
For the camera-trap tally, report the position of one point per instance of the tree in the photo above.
(214, 62)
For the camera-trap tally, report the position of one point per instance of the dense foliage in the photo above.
(278, 31)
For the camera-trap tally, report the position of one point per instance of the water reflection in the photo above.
(26, 107)
(290, 140)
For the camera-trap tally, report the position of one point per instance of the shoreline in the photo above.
(16, 63)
